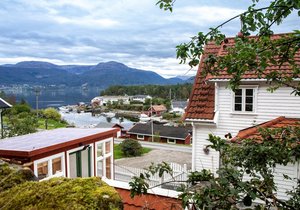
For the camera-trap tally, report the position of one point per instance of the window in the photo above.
(140, 137)
(56, 165)
(42, 169)
(104, 158)
(50, 166)
(171, 141)
(244, 100)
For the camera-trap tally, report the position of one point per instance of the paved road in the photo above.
(162, 146)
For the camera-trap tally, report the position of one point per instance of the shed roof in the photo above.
(4, 104)
(202, 98)
(36, 143)
(180, 132)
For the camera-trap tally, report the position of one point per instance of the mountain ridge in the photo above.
(102, 75)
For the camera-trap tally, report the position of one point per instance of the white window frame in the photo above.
(104, 157)
(140, 138)
(171, 141)
(243, 88)
(49, 161)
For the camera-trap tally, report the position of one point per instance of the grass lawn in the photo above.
(118, 153)
(52, 124)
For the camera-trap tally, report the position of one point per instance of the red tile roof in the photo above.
(148, 201)
(159, 108)
(253, 132)
(201, 101)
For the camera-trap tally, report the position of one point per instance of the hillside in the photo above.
(101, 75)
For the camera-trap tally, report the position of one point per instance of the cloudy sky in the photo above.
(134, 32)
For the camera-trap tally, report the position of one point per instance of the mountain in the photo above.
(101, 75)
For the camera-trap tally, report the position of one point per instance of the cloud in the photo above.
(134, 32)
(204, 15)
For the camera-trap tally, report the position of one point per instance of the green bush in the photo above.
(19, 108)
(131, 148)
(62, 193)
(10, 177)
(52, 113)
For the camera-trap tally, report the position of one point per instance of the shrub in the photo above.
(12, 176)
(131, 148)
(62, 193)
(52, 113)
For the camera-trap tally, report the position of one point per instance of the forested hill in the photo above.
(179, 91)
(101, 75)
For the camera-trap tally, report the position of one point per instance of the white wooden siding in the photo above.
(268, 106)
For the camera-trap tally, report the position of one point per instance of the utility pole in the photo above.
(37, 91)
(151, 120)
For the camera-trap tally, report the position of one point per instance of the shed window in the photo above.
(42, 169)
(56, 165)
(141, 137)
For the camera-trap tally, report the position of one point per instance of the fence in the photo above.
(167, 181)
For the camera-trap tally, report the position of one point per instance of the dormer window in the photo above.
(244, 99)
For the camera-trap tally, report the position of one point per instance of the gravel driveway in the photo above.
(157, 156)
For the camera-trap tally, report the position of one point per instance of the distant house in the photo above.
(104, 100)
(66, 152)
(178, 106)
(122, 128)
(140, 98)
(161, 133)
(157, 110)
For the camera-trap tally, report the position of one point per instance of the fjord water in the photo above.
(53, 97)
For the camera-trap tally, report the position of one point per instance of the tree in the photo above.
(51, 113)
(131, 148)
(20, 120)
(227, 189)
(250, 54)
(257, 160)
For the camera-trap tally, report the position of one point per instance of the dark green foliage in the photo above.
(179, 91)
(131, 148)
(62, 193)
(11, 176)
(19, 108)
(257, 159)
(249, 54)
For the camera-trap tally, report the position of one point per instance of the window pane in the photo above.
(100, 168)
(107, 147)
(56, 165)
(249, 107)
(99, 150)
(238, 107)
(249, 100)
(238, 92)
(238, 100)
(108, 168)
(249, 92)
(42, 170)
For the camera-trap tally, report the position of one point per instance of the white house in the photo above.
(214, 108)
(178, 106)
(140, 98)
(104, 100)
